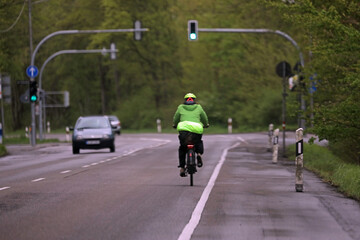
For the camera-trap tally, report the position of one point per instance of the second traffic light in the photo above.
(33, 91)
(193, 30)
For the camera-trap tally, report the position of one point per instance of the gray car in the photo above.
(93, 132)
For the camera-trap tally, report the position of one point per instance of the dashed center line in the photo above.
(126, 153)
(38, 179)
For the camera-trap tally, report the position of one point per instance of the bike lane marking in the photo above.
(196, 215)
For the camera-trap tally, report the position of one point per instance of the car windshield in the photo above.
(113, 118)
(93, 122)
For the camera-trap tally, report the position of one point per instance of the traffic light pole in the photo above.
(245, 30)
(135, 30)
(71, 51)
(193, 28)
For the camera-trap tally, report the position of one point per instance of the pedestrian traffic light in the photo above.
(33, 91)
(193, 30)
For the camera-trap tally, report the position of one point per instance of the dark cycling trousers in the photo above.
(186, 138)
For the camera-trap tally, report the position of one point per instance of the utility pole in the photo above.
(33, 125)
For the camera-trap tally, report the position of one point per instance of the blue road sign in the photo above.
(32, 71)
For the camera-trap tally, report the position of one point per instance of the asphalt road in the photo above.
(46, 192)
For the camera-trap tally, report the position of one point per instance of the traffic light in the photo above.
(33, 91)
(193, 30)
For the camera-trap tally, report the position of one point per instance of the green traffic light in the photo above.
(193, 36)
(33, 98)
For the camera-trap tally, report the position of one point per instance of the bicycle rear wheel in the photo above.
(191, 168)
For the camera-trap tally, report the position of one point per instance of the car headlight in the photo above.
(106, 136)
(79, 137)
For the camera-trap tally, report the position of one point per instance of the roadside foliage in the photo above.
(332, 31)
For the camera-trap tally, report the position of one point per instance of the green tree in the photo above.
(331, 29)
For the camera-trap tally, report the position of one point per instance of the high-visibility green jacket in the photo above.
(190, 118)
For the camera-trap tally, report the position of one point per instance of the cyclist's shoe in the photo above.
(199, 160)
(182, 172)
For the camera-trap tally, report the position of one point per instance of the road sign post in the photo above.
(32, 71)
(283, 69)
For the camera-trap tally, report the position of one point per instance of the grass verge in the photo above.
(3, 150)
(330, 168)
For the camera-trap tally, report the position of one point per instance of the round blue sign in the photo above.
(32, 71)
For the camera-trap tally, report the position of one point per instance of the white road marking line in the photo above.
(196, 215)
(66, 171)
(242, 140)
(4, 188)
(131, 151)
(37, 180)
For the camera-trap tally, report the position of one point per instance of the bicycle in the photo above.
(190, 162)
(190, 166)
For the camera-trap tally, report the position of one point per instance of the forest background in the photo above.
(233, 75)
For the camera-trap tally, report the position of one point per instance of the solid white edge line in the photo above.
(37, 180)
(4, 188)
(196, 215)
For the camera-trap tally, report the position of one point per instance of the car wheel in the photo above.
(112, 148)
(75, 150)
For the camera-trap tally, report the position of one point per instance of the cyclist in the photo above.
(189, 119)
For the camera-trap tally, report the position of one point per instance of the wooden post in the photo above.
(299, 160)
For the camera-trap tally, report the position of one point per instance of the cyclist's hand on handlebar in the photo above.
(206, 126)
(174, 126)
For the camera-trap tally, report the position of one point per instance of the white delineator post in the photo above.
(299, 160)
(26, 132)
(229, 125)
(158, 122)
(48, 127)
(275, 146)
(67, 129)
(270, 134)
